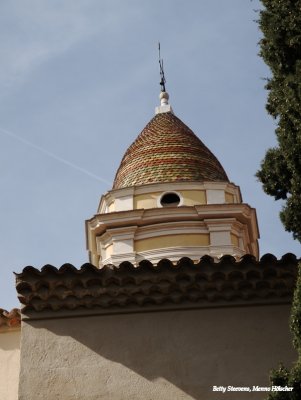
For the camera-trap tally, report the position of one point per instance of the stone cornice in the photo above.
(100, 222)
(52, 292)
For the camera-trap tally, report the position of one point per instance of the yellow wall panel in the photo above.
(148, 200)
(193, 197)
(109, 251)
(234, 240)
(190, 239)
(229, 198)
(112, 207)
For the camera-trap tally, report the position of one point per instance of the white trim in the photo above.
(193, 252)
(117, 259)
(170, 186)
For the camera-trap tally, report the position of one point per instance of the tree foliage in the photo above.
(282, 376)
(280, 48)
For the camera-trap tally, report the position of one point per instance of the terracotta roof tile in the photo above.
(167, 151)
(10, 319)
(129, 288)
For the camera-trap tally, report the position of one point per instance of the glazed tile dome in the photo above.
(167, 151)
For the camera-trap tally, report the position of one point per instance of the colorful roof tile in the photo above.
(167, 151)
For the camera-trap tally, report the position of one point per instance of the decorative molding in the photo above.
(195, 253)
(242, 212)
(150, 221)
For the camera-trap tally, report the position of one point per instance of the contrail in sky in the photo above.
(49, 154)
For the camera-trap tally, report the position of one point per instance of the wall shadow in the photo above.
(191, 349)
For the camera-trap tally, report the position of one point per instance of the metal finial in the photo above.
(163, 80)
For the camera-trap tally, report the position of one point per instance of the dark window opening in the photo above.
(170, 200)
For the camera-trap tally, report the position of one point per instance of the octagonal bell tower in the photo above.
(171, 198)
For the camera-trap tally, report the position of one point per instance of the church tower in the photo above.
(171, 198)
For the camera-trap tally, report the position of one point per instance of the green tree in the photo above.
(282, 376)
(280, 48)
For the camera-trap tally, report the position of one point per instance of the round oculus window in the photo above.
(170, 200)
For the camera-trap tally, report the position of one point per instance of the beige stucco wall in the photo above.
(169, 355)
(9, 364)
(146, 200)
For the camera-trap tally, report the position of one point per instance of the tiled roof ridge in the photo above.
(202, 284)
(10, 319)
(167, 150)
(148, 265)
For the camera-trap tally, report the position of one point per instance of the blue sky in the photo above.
(80, 79)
